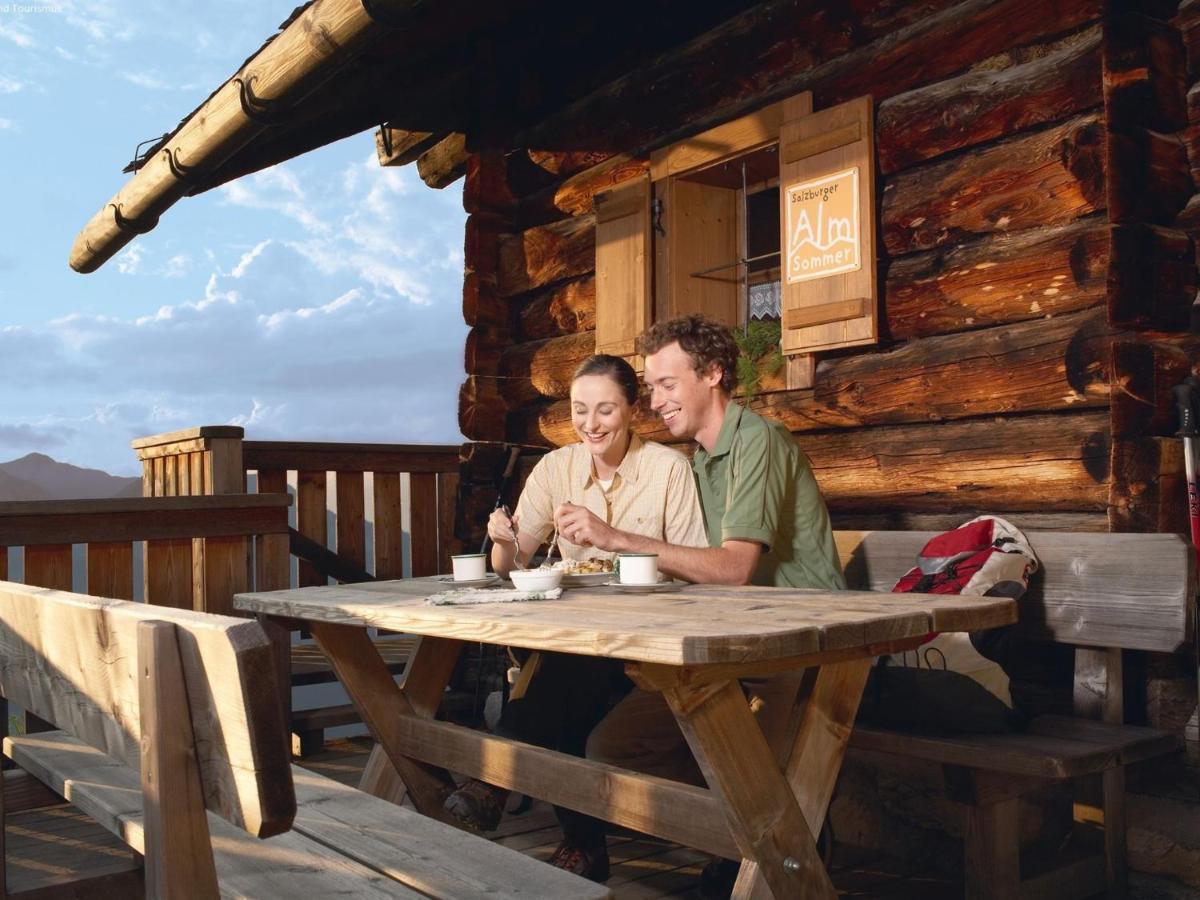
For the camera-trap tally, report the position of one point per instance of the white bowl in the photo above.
(535, 579)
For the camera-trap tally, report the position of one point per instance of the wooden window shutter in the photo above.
(622, 266)
(827, 227)
(697, 270)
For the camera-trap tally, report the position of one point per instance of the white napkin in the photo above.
(464, 596)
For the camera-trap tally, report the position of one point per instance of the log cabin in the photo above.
(998, 200)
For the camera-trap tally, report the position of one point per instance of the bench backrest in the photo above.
(73, 660)
(1133, 591)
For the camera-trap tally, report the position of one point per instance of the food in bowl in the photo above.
(536, 579)
(584, 566)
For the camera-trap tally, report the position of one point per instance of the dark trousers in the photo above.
(565, 700)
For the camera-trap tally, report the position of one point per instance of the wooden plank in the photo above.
(109, 792)
(351, 518)
(381, 704)
(168, 574)
(226, 572)
(389, 532)
(3, 563)
(702, 233)
(1098, 590)
(311, 520)
(448, 542)
(992, 844)
(658, 806)
(187, 434)
(21, 791)
(623, 263)
(272, 559)
(140, 518)
(697, 626)
(430, 666)
(110, 569)
(750, 132)
(423, 518)
(54, 642)
(48, 565)
(343, 457)
(224, 472)
(177, 848)
(171, 476)
(428, 856)
(739, 766)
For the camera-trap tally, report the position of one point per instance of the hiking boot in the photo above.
(476, 806)
(588, 862)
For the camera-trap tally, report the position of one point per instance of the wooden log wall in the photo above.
(1037, 252)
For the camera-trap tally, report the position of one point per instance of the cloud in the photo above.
(27, 437)
(17, 33)
(8, 125)
(146, 80)
(129, 261)
(10, 85)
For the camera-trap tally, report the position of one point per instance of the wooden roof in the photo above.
(490, 72)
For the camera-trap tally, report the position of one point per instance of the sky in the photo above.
(316, 300)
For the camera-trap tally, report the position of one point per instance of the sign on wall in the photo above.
(822, 227)
(827, 217)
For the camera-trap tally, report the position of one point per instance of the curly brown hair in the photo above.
(705, 340)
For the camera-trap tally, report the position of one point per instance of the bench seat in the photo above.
(340, 837)
(1053, 747)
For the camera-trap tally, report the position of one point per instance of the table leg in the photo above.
(382, 704)
(826, 707)
(424, 682)
(741, 769)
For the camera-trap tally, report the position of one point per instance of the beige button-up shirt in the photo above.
(653, 494)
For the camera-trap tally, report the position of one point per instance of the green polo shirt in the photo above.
(757, 485)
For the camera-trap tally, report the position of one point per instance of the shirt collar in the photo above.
(628, 469)
(729, 427)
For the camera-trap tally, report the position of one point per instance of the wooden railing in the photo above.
(108, 529)
(397, 499)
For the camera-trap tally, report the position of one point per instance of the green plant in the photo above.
(760, 352)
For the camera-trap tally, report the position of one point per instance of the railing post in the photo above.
(203, 573)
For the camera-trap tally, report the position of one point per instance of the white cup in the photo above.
(469, 566)
(638, 568)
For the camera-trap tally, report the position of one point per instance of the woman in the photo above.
(635, 485)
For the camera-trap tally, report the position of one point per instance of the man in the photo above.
(767, 524)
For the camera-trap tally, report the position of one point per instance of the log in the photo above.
(1048, 177)
(545, 366)
(1030, 367)
(481, 304)
(1191, 134)
(398, 147)
(445, 162)
(481, 245)
(1145, 74)
(547, 254)
(1143, 375)
(567, 309)
(483, 349)
(998, 280)
(1030, 463)
(1151, 178)
(1188, 22)
(486, 189)
(1149, 486)
(1152, 278)
(902, 520)
(481, 412)
(576, 195)
(1058, 81)
(565, 163)
(781, 48)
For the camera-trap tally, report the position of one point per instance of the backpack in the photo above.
(952, 683)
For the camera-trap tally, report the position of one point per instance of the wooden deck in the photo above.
(52, 846)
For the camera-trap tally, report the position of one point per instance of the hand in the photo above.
(583, 528)
(502, 529)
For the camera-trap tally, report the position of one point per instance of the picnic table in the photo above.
(770, 775)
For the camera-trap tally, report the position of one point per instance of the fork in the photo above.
(516, 539)
(553, 545)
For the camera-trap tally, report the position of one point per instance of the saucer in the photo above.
(588, 579)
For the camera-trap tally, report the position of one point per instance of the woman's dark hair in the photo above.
(612, 367)
(705, 340)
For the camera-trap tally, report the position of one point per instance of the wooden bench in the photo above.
(199, 695)
(1103, 594)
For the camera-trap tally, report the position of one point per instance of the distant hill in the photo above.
(38, 477)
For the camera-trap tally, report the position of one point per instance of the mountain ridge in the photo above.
(36, 476)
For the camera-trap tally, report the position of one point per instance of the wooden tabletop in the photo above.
(699, 625)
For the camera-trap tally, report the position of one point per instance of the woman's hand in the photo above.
(502, 529)
(582, 527)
